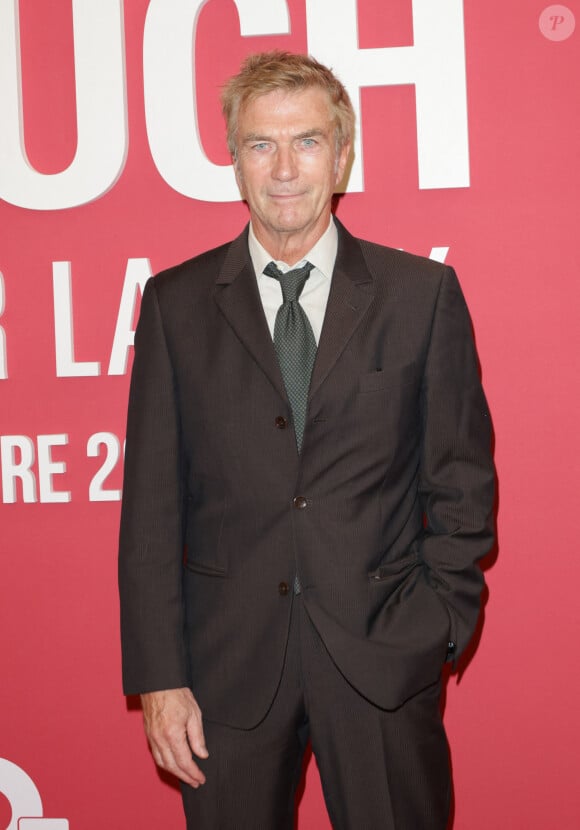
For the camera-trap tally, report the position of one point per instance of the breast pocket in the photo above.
(388, 378)
(388, 410)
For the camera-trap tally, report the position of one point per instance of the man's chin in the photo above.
(285, 226)
(292, 222)
(288, 228)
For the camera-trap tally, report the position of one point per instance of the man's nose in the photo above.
(285, 167)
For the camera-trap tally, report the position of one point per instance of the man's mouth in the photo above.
(285, 195)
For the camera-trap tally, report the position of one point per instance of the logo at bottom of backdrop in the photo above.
(24, 801)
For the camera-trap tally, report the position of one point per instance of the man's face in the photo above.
(287, 166)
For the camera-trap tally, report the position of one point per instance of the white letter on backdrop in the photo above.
(13, 469)
(47, 468)
(101, 111)
(3, 358)
(439, 254)
(435, 64)
(170, 94)
(66, 365)
(137, 273)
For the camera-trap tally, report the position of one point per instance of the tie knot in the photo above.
(292, 282)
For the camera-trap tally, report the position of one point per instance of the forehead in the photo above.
(294, 111)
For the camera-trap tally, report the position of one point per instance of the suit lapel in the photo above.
(238, 298)
(239, 301)
(351, 294)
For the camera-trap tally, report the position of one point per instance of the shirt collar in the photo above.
(322, 255)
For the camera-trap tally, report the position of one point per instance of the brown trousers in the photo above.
(380, 770)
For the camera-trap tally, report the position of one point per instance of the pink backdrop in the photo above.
(67, 737)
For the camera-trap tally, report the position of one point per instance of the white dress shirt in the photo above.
(314, 296)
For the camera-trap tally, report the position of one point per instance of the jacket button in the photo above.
(300, 502)
(283, 589)
(281, 422)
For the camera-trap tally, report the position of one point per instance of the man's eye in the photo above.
(309, 142)
(260, 146)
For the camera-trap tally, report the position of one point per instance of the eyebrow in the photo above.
(256, 137)
(314, 133)
(311, 133)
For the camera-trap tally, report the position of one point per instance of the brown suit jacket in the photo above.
(383, 515)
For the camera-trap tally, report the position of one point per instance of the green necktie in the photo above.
(294, 342)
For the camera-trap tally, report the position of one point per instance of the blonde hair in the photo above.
(267, 72)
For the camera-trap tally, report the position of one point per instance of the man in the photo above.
(308, 487)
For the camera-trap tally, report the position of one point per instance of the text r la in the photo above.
(137, 273)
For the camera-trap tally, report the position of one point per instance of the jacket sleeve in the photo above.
(151, 534)
(457, 479)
